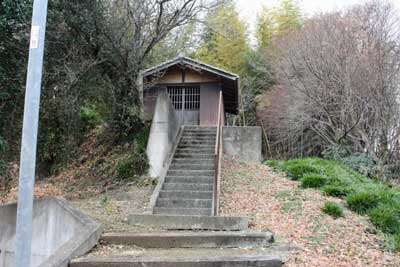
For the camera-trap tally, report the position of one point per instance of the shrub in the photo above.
(392, 171)
(387, 218)
(336, 152)
(3, 149)
(141, 139)
(3, 167)
(362, 202)
(336, 190)
(396, 242)
(363, 164)
(313, 180)
(275, 164)
(133, 166)
(298, 169)
(89, 117)
(3, 145)
(333, 209)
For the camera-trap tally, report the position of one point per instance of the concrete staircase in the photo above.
(187, 249)
(184, 208)
(188, 185)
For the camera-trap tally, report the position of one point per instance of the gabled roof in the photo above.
(229, 81)
(195, 64)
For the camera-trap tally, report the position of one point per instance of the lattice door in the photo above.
(185, 97)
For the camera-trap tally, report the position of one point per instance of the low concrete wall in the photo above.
(163, 133)
(242, 142)
(60, 233)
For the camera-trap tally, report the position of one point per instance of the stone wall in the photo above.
(242, 142)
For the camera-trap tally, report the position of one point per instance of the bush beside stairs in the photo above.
(194, 238)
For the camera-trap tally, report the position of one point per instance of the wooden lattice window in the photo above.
(185, 97)
(176, 96)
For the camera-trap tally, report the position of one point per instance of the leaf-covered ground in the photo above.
(91, 175)
(275, 203)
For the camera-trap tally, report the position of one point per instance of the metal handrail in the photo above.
(217, 152)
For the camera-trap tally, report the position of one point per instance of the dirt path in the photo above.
(112, 209)
(294, 214)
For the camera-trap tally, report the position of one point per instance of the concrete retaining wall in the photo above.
(60, 233)
(163, 133)
(242, 142)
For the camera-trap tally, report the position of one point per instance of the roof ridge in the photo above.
(191, 61)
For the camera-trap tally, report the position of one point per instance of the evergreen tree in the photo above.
(224, 40)
(277, 21)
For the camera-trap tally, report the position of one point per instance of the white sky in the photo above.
(249, 8)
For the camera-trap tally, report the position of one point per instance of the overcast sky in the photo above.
(249, 8)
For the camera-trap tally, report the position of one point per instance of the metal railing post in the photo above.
(217, 154)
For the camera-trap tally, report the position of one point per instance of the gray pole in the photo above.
(23, 238)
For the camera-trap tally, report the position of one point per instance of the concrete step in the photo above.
(196, 150)
(196, 127)
(194, 155)
(190, 239)
(190, 179)
(189, 173)
(196, 146)
(171, 194)
(183, 203)
(189, 133)
(176, 222)
(192, 167)
(183, 211)
(194, 141)
(197, 131)
(188, 187)
(198, 138)
(209, 137)
(183, 257)
(193, 161)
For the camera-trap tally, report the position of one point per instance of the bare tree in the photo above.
(338, 79)
(133, 29)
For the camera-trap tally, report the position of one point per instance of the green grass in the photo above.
(333, 209)
(386, 218)
(313, 180)
(362, 202)
(396, 242)
(336, 190)
(379, 201)
(297, 170)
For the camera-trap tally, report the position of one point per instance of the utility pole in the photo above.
(23, 237)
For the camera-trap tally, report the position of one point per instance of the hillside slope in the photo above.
(99, 168)
(274, 202)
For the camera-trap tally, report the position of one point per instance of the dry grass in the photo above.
(294, 214)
